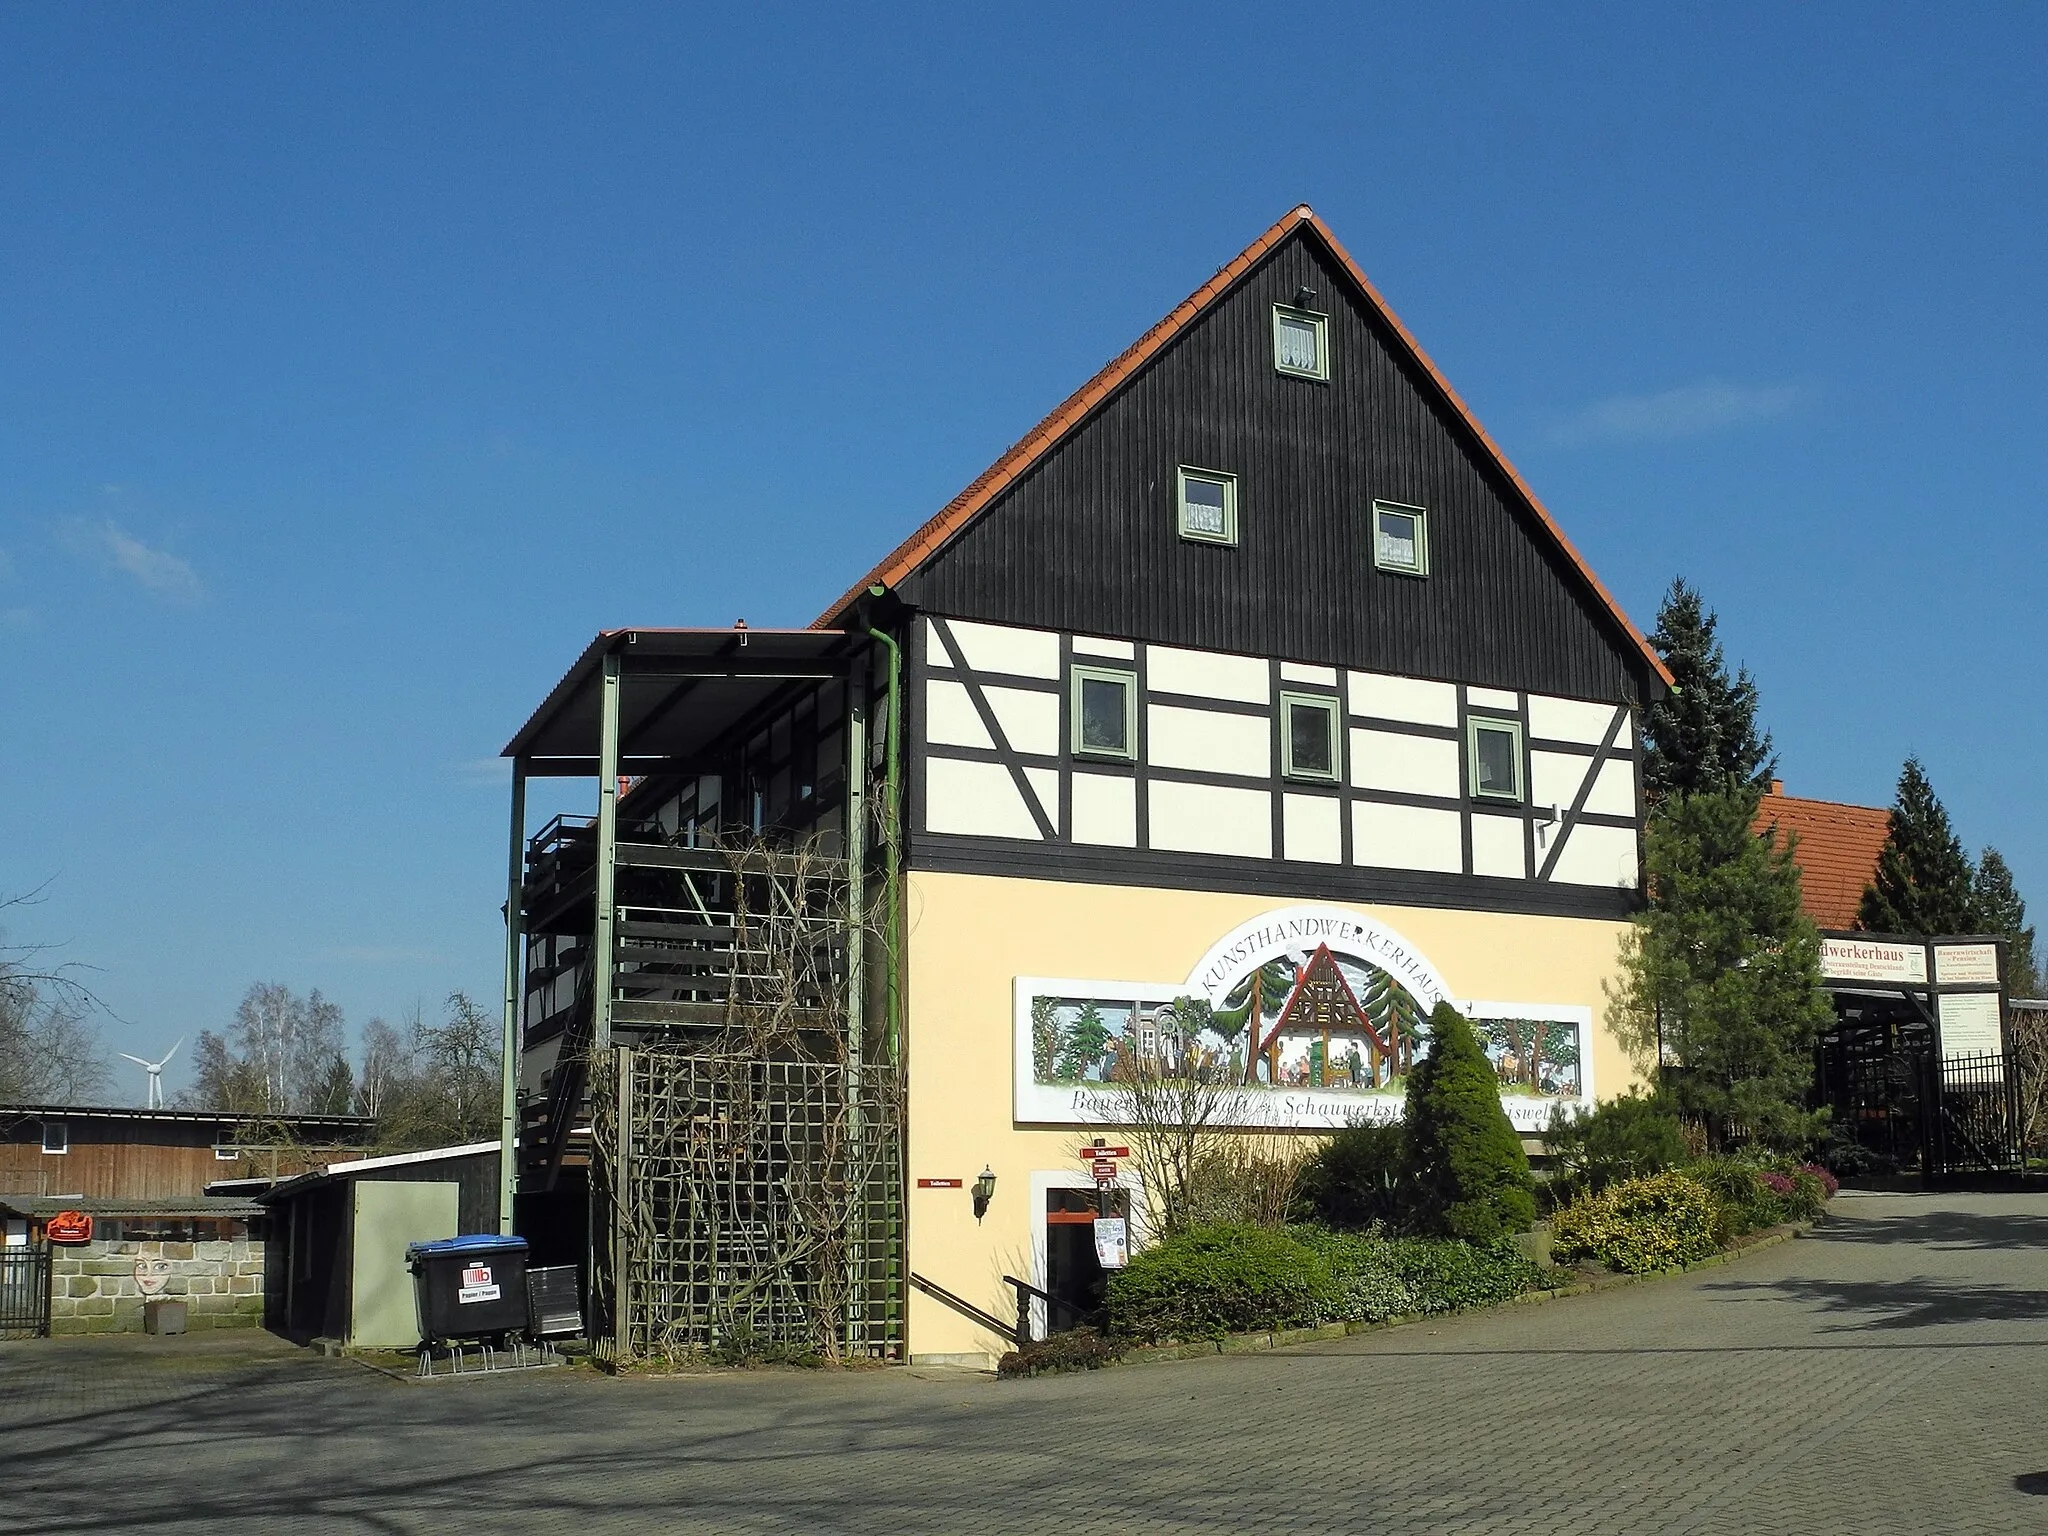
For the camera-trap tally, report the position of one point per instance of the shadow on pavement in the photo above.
(1940, 1229)
(306, 1445)
(1916, 1303)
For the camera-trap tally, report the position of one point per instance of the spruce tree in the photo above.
(1924, 882)
(2000, 911)
(1463, 1166)
(1703, 735)
(1720, 976)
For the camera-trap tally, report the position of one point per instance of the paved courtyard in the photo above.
(1888, 1374)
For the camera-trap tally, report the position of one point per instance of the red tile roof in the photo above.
(1837, 851)
(1078, 407)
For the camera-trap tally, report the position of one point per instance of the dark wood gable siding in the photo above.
(1087, 540)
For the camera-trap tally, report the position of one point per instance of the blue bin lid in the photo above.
(459, 1247)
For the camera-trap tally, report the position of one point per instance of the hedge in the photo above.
(1219, 1280)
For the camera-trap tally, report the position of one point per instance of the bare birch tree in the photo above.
(49, 1047)
(1180, 1124)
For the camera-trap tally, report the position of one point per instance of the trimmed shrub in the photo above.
(1354, 1180)
(1625, 1138)
(1082, 1349)
(1462, 1163)
(1218, 1280)
(1640, 1225)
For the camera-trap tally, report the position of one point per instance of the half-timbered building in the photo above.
(1246, 708)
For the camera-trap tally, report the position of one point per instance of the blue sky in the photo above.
(357, 363)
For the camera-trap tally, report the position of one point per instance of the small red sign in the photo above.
(938, 1184)
(69, 1227)
(1098, 1151)
(1105, 1170)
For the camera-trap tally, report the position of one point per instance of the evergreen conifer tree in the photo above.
(2000, 911)
(1720, 977)
(1703, 735)
(1462, 1163)
(1924, 882)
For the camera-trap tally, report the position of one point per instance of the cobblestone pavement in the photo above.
(1887, 1374)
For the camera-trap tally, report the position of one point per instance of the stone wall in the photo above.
(93, 1289)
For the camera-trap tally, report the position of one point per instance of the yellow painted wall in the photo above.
(970, 936)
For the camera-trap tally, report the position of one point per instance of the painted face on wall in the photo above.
(152, 1274)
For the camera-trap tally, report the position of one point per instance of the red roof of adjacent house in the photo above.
(1837, 850)
(1078, 407)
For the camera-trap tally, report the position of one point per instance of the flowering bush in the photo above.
(1639, 1225)
(1744, 1199)
(1828, 1182)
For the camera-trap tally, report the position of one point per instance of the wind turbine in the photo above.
(155, 1069)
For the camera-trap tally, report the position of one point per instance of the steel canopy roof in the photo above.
(679, 691)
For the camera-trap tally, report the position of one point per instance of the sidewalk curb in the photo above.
(1255, 1343)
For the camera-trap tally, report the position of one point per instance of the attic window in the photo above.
(56, 1137)
(1208, 506)
(1400, 538)
(1301, 342)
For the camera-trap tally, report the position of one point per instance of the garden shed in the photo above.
(338, 1237)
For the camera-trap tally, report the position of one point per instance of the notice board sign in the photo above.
(1112, 1242)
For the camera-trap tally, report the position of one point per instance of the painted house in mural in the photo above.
(1251, 705)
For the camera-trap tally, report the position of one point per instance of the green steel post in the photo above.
(515, 931)
(604, 967)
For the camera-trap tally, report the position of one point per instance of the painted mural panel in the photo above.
(1317, 1013)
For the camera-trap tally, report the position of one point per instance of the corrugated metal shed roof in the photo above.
(220, 1208)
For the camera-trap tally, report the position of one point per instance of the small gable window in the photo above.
(1208, 506)
(1301, 342)
(1308, 736)
(1105, 711)
(1400, 538)
(56, 1137)
(1494, 748)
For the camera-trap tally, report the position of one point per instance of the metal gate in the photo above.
(25, 1291)
(1975, 1124)
(1875, 1081)
(1910, 1110)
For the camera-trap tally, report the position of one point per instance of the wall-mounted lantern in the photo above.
(984, 1191)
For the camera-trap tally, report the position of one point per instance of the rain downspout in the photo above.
(891, 896)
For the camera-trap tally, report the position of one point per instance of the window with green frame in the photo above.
(1301, 342)
(1208, 505)
(1105, 713)
(1400, 538)
(1309, 736)
(1493, 748)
